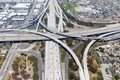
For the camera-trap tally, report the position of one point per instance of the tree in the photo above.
(24, 74)
(101, 49)
(15, 67)
(69, 25)
(117, 77)
(93, 67)
(72, 65)
(71, 75)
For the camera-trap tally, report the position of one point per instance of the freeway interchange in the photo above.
(52, 36)
(67, 48)
(4, 37)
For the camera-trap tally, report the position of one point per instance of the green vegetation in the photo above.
(40, 46)
(79, 22)
(43, 54)
(2, 58)
(117, 48)
(90, 24)
(24, 74)
(98, 77)
(34, 62)
(94, 53)
(70, 42)
(22, 66)
(72, 76)
(94, 61)
(98, 44)
(19, 67)
(70, 25)
(101, 49)
(23, 54)
(111, 55)
(15, 67)
(117, 76)
(63, 54)
(69, 6)
(73, 68)
(93, 66)
(9, 78)
(80, 50)
(42, 50)
(72, 65)
(37, 46)
(1, 47)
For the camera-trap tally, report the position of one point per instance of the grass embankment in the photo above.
(34, 62)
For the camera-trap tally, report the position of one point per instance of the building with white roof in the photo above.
(16, 0)
(36, 11)
(2, 15)
(4, 19)
(22, 6)
(1, 22)
(21, 13)
(18, 19)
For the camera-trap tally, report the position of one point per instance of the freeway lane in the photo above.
(8, 61)
(108, 28)
(5, 37)
(52, 56)
(25, 37)
(79, 34)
